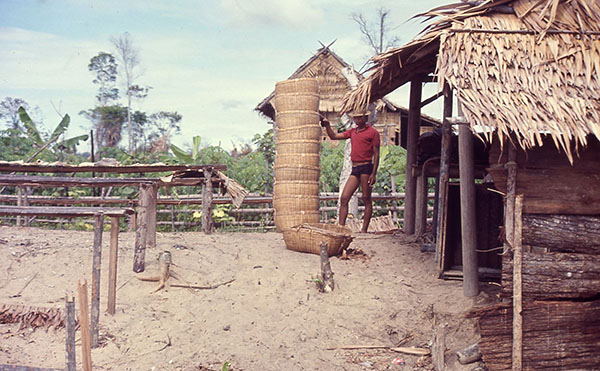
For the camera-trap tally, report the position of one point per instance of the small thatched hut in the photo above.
(527, 78)
(336, 78)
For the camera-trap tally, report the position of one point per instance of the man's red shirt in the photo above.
(363, 143)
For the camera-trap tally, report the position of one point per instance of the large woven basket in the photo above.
(312, 131)
(285, 220)
(295, 101)
(307, 159)
(296, 187)
(296, 172)
(299, 85)
(309, 236)
(290, 203)
(292, 119)
(298, 146)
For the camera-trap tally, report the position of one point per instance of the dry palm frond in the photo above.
(233, 189)
(32, 317)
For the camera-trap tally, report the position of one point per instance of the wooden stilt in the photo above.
(84, 325)
(412, 135)
(468, 218)
(112, 264)
(70, 334)
(96, 266)
(421, 205)
(445, 152)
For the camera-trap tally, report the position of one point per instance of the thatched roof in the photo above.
(522, 67)
(335, 77)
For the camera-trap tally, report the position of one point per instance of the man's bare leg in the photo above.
(349, 189)
(366, 191)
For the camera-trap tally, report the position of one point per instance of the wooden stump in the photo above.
(207, 197)
(327, 284)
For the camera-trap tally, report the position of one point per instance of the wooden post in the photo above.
(326, 273)
(468, 218)
(70, 334)
(438, 348)
(96, 265)
(112, 264)
(511, 179)
(445, 152)
(207, 195)
(152, 198)
(84, 325)
(414, 123)
(421, 204)
(434, 219)
(19, 203)
(139, 253)
(517, 346)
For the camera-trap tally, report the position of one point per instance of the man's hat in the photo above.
(359, 113)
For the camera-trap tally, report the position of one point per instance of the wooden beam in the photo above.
(468, 219)
(65, 212)
(120, 169)
(207, 195)
(84, 326)
(141, 232)
(414, 124)
(431, 99)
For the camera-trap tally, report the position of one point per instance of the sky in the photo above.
(212, 61)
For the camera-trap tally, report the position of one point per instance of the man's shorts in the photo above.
(362, 169)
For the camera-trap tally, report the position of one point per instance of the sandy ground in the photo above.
(270, 317)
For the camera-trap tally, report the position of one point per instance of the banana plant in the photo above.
(183, 156)
(34, 134)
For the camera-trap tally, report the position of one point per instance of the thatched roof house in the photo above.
(336, 78)
(524, 67)
(527, 77)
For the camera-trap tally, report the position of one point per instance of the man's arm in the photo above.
(330, 133)
(375, 165)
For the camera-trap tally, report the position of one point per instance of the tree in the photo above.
(129, 57)
(163, 123)
(105, 67)
(376, 36)
(9, 112)
(108, 122)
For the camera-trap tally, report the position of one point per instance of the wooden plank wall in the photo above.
(560, 263)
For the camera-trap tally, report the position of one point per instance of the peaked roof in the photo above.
(523, 67)
(336, 78)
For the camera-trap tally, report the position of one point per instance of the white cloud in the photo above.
(290, 13)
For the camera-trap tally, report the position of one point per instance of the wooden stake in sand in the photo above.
(327, 284)
(70, 334)
(84, 325)
(96, 264)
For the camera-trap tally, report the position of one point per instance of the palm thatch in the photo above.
(526, 67)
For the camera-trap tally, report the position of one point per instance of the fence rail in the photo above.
(174, 213)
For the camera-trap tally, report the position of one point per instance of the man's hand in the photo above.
(324, 122)
(371, 180)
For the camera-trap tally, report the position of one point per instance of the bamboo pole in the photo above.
(517, 346)
(71, 364)
(414, 122)
(96, 267)
(112, 265)
(468, 218)
(84, 325)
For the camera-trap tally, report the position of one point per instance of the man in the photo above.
(365, 161)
